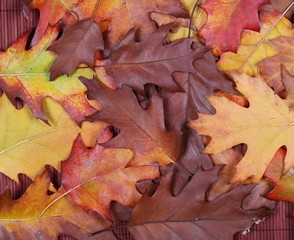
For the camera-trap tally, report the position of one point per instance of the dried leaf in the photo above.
(20, 219)
(264, 126)
(122, 15)
(97, 176)
(272, 68)
(24, 74)
(151, 61)
(226, 20)
(77, 45)
(141, 130)
(281, 5)
(190, 215)
(181, 108)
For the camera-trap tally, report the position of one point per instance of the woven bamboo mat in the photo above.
(279, 226)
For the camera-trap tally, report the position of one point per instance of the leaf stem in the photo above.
(266, 35)
(69, 10)
(192, 14)
(64, 194)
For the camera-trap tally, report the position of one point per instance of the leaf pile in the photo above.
(135, 112)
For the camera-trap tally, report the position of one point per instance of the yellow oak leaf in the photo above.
(27, 143)
(253, 48)
(265, 126)
(21, 219)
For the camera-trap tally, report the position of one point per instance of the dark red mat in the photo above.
(279, 226)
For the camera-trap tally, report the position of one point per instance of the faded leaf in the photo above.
(122, 15)
(265, 126)
(141, 130)
(77, 45)
(24, 74)
(245, 59)
(151, 61)
(20, 219)
(272, 68)
(97, 176)
(27, 144)
(226, 20)
(190, 215)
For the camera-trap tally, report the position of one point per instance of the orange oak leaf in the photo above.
(151, 61)
(284, 188)
(273, 68)
(24, 74)
(124, 15)
(95, 177)
(77, 45)
(226, 20)
(21, 219)
(51, 11)
(265, 126)
(142, 130)
(255, 46)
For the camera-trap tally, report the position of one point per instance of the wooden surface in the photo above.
(279, 226)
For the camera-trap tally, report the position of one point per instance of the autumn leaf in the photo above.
(190, 215)
(122, 15)
(281, 6)
(50, 13)
(226, 20)
(20, 219)
(253, 47)
(95, 177)
(77, 45)
(27, 144)
(284, 187)
(151, 61)
(264, 126)
(272, 68)
(142, 130)
(182, 107)
(24, 74)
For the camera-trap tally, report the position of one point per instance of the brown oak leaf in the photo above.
(78, 44)
(190, 215)
(142, 130)
(151, 61)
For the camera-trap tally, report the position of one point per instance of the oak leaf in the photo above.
(142, 130)
(226, 20)
(124, 15)
(77, 45)
(265, 126)
(272, 68)
(182, 107)
(253, 47)
(151, 61)
(50, 13)
(21, 219)
(190, 215)
(281, 6)
(24, 74)
(284, 184)
(95, 177)
(27, 143)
